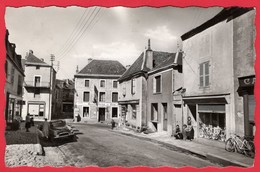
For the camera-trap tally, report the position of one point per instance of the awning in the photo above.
(205, 100)
(128, 102)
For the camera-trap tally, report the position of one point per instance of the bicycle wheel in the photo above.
(249, 149)
(230, 146)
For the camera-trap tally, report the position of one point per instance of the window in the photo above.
(157, 84)
(114, 84)
(102, 83)
(86, 97)
(12, 75)
(37, 81)
(124, 89)
(37, 92)
(20, 85)
(114, 112)
(133, 111)
(36, 109)
(85, 111)
(204, 74)
(86, 83)
(114, 97)
(102, 97)
(133, 86)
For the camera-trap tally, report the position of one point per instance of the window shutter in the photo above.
(154, 85)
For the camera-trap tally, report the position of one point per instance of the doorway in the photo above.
(165, 116)
(101, 114)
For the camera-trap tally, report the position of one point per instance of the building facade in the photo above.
(161, 111)
(14, 82)
(146, 91)
(219, 54)
(39, 88)
(97, 91)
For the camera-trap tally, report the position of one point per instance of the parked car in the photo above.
(59, 129)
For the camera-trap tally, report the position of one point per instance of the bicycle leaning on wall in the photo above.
(241, 145)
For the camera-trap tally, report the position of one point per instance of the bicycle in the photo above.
(241, 145)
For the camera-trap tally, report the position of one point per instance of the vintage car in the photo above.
(59, 129)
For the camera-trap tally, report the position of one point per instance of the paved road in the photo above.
(99, 146)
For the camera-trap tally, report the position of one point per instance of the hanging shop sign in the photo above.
(247, 81)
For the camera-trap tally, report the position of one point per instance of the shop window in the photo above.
(86, 96)
(212, 126)
(204, 74)
(133, 111)
(102, 97)
(114, 84)
(114, 97)
(114, 112)
(102, 83)
(86, 83)
(154, 114)
(85, 111)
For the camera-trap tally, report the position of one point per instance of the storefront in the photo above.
(246, 90)
(210, 116)
(212, 121)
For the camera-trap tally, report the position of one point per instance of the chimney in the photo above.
(30, 51)
(149, 56)
(77, 69)
(89, 60)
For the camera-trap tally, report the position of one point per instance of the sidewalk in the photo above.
(214, 154)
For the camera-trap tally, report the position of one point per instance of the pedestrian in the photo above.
(27, 122)
(184, 133)
(78, 118)
(32, 121)
(178, 134)
(113, 124)
(190, 130)
(18, 118)
(46, 127)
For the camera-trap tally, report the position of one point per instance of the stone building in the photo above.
(97, 90)
(14, 81)
(39, 87)
(218, 63)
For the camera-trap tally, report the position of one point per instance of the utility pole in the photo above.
(51, 78)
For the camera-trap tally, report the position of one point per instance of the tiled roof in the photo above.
(33, 59)
(103, 67)
(160, 59)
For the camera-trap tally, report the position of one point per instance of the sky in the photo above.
(75, 34)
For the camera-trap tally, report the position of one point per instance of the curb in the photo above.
(213, 158)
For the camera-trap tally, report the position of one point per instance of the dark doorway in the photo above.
(165, 116)
(101, 114)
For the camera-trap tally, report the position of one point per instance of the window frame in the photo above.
(88, 83)
(103, 93)
(203, 75)
(133, 86)
(115, 81)
(155, 84)
(100, 85)
(112, 97)
(84, 96)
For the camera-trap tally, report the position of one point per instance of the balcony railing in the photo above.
(37, 84)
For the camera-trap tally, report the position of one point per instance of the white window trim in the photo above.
(154, 84)
(100, 83)
(203, 62)
(112, 96)
(89, 96)
(112, 112)
(113, 84)
(83, 111)
(99, 96)
(88, 83)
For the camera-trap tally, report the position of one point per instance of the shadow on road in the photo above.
(58, 142)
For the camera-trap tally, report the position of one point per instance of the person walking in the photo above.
(113, 123)
(27, 122)
(45, 129)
